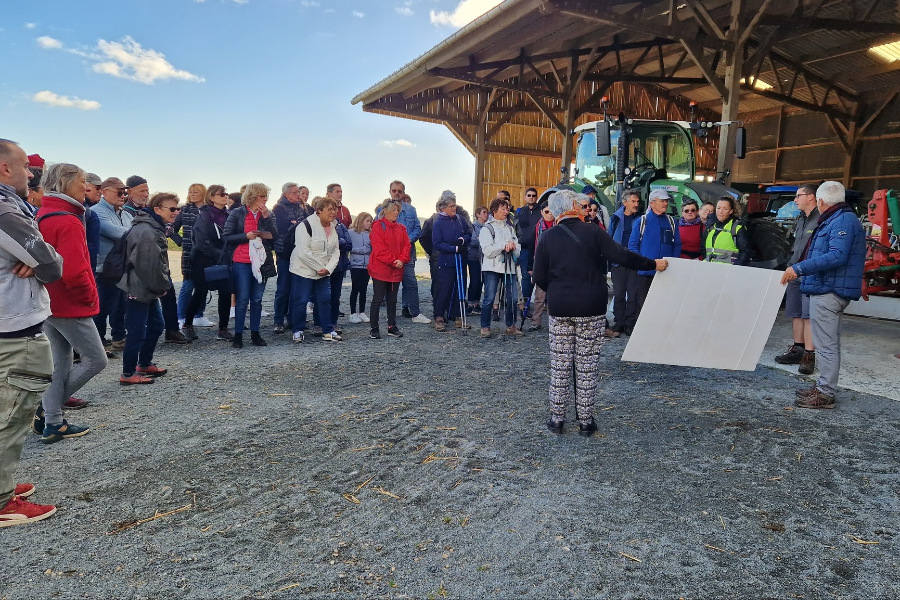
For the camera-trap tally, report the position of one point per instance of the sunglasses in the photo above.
(223, 194)
(172, 209)
(531, 195)
(690, 210)
(585, 206)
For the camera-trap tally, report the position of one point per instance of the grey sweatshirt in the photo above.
(26, 302)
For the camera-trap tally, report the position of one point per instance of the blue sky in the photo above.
(229, 91)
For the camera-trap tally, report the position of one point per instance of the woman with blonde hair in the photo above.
(184, 223)
(359, 263)
(250, 233)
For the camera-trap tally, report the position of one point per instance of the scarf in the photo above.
(574, 213)
(682, 222)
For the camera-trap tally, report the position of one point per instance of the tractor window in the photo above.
(599, 171)
(666, 146)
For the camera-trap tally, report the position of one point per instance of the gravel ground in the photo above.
(421, 468)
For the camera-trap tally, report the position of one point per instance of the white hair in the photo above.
(60, 176)
(830, 193)
(287, 187)
(562, 201)
(447, 198)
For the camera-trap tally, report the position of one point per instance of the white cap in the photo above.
(659, 195)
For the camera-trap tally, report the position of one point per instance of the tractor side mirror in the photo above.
(740, 143)
(604, 144)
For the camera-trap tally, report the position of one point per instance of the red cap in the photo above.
(35, 160)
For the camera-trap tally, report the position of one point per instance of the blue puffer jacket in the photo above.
(445, 238)
(660, 238)
(836, 256)
(361, 250)
(344, 246)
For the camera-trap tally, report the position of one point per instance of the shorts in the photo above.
(796, 305)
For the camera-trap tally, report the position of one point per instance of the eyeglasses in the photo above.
(172, 209)
(802, 194)
(690, 210)
(531, 195)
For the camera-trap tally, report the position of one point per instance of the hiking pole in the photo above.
(459, 292)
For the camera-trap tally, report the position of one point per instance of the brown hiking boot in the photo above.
(117, 345)
(807, 363)
(806, 392)
(611, 333)
(816, 400)
(439, 324)
(513, 330)
(461, 325)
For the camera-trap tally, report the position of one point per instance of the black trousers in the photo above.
(380, 290)
(359, 283)
(170, 309)
(624, 301)
(641, 289)
(201, 289)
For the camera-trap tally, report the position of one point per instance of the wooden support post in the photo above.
(732, 98)
(480, 140)
(569, 124)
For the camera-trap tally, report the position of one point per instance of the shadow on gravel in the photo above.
(420, 468)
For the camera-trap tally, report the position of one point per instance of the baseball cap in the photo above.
(659, 195)
(92, 179)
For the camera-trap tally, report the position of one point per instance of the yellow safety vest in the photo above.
(720, 243)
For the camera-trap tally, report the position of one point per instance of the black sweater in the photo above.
(574, 274)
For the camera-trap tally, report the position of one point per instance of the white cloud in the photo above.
(404, 10)
(30, 25)
(358, 14)
(48, 97)
(309, 4)
(129, 60)
(329, 10)
(400, 142)
(45, 41)
(465, 12)
(125, 59)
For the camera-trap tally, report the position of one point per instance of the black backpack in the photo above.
(290, 238)
(116, 263)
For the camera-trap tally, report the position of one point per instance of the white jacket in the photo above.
(315, 252)
(493, 237)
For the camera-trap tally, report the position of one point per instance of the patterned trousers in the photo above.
(575, 341)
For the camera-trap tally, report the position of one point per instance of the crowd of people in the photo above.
(82, 256)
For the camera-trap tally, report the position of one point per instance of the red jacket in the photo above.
(390, 243)
(343, 216)
(75, 294)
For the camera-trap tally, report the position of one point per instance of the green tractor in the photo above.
(614, 155)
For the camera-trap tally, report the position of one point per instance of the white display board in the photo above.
(711, 315)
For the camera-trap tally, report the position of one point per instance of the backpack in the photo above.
(290, 238)
(644, 224)
(116, 264)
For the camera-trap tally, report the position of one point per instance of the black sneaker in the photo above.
(37, 424)
(555, 426)
(316, 331)
(237, 341)
(176, 337)
(587, 430)
(57, 433)
(375, 334)
(256, 339)
(278, 329)
(791, 356)
(225, 335)
(189, 333)
(406, 312)
(394, 331)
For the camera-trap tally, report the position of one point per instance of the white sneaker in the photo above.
(420, 318)
(354, 318)
(332, 337)
(181, 323)
(203, 322)
(265, 313)
(364, 317)
(309, 307)
(298, 337)
(231, 314)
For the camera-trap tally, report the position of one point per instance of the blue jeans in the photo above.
(144, 323)
(336, 280)
(302, 291)
(112, 305)
(491, 281)
(524, 263)
(283, 291)
(409, 295)
(184, 298)
(247, 290)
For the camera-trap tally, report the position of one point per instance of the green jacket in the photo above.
(147, 269)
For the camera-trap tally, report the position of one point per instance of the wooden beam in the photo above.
(494, 84)
(817, 23)
(548, 113)
(522, 151)
(878, 112)
(696, 54)
(701, 15)
(748, 29)
(462, 136)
